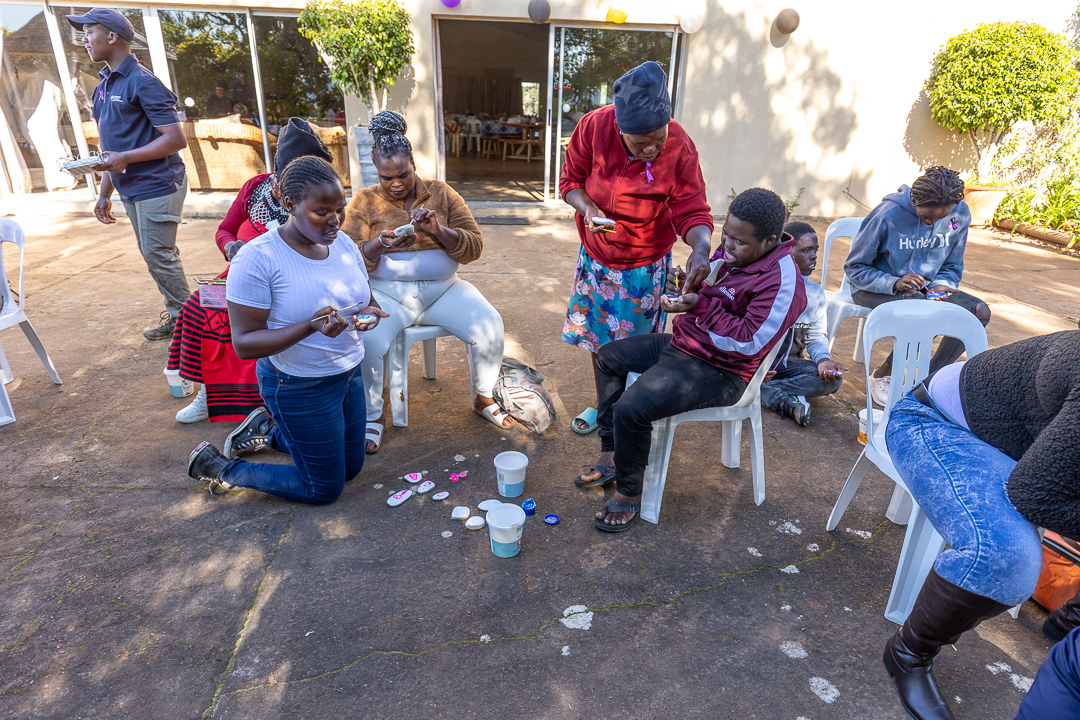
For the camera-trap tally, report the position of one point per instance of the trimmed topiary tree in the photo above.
(988, 79)
(366, 44)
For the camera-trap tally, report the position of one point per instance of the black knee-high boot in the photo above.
(942, 613)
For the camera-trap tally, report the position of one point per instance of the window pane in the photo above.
(38, 129)
(296, 83)
(295, 80)
(210, 61)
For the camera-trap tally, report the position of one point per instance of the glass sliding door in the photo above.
(35, 130)
(587, 62)
(296, 83)
(209, 57)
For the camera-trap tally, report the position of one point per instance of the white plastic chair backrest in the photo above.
(750, 394)
(11, 231)
(844, 227)
(913, 325)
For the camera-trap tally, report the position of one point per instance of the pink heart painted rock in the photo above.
(414, 477)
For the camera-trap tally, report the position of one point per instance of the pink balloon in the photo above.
(451, 3)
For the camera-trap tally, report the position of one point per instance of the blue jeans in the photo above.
(321, 423)
(959, 481)
(797, 376)
(1056, 692)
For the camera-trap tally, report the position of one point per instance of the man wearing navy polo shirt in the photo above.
(141, 138)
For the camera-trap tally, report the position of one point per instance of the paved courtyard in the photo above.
(127, 591)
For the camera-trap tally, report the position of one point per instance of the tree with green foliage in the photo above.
(366, 44)
(988, 79)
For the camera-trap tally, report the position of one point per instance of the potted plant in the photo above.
(366, 44)
(988, 79)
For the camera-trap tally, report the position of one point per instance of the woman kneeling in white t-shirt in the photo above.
(309, 362)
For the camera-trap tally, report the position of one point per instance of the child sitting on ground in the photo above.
(911, 246)
(795, 379)
(712, 352)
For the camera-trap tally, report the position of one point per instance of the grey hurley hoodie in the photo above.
(893, 241)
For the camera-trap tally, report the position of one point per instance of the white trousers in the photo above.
(452, 303)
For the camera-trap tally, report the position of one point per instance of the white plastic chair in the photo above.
(398, 359)
(14, 313)
(747, 408)
(913, 326)
(840, 305)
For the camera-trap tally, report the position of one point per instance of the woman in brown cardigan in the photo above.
(414, 277)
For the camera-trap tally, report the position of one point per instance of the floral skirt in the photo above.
(608, 305)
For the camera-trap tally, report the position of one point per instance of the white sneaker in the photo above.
(879, 389)
(196, 411)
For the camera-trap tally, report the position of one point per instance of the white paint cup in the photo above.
(178, 386)
(505, 524)
(878, 414)
(510, 469)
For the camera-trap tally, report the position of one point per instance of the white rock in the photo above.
(440, 495)
(474, 523)
(398, 498)
(459, 458)
(447, 533)
(378, 486)
(460, 513)
(754, 551)
(425, 487)
(790, 570)
(565, 648)
(414, 477)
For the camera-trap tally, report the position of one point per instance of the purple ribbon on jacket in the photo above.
(648, 171)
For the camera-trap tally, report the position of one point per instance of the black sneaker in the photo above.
(206, 463)
(795, 407)
(251, 435)
(164, 330)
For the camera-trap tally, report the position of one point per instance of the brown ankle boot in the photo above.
(942, 613)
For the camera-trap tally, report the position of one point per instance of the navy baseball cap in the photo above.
(109, 19)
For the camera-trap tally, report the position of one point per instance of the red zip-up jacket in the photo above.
(738, 319)
(650, 214)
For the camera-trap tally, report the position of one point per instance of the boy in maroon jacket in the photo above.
(714, 349)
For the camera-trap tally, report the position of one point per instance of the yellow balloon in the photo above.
(614, 15)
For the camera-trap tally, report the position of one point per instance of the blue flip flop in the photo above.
(587, 416)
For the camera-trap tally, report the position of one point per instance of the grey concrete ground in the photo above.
(127, 591)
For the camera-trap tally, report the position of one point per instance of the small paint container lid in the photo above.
(529, 506)
(551, 519)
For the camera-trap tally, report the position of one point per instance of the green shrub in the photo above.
(988, 79)
(366, 44)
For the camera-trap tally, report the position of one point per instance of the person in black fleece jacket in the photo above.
(989, 449)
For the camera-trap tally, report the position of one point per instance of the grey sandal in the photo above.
(614, 507)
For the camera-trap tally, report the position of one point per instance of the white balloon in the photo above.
(693, 17)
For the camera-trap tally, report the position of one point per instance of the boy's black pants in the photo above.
(671, 382)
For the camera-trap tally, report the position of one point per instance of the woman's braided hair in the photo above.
(303, 174)
(937, 186)
(388, 136)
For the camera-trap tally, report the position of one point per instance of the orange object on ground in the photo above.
(1060, 577)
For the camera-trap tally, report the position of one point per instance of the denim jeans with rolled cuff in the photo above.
(671, 383)
(959, 481)
(321, 423)
(797, 376)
